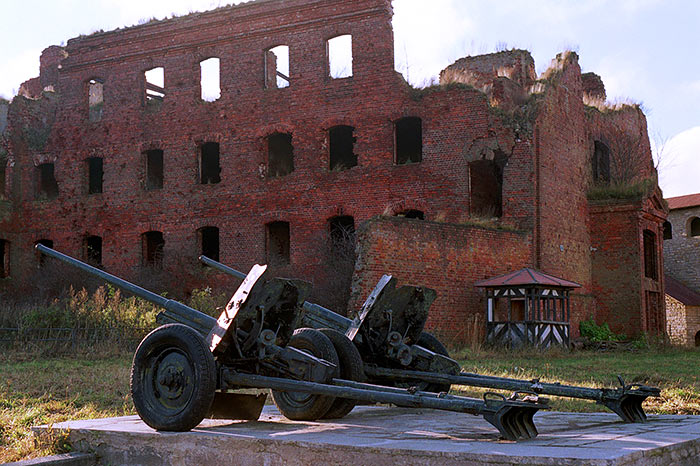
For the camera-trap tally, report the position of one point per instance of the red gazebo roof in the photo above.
(525, 277)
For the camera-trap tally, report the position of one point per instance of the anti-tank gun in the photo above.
(388, 332)
(193, 366)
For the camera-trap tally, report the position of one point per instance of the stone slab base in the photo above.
(392, 436)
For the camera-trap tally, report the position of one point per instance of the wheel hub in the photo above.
(173, 379)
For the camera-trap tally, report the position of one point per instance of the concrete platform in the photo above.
(393, 436)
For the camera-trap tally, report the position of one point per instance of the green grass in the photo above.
(621, 191)
(49, 391)
(675, 371)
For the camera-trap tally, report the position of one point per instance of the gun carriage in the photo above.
(194, 366)
(388, 332)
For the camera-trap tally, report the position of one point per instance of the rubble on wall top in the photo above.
(228, 8)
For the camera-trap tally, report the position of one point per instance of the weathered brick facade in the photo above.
(491, 142)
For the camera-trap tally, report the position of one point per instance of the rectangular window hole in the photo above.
(154, 169)
(95, 175)
(95, 99)
(409, 140)
(650, 260)
(278, 243)
(280, 155)
(210, 79)
(341, 147)
(4, 258)
(3, 175)
(342, 229)
(209, 166)
(486, 188)
(277, 67)
(155, 85)
(209, 242)
(93, 250)
(339, 50)
(152, 246)
(47, 187)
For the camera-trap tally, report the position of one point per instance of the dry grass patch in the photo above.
(48, 391)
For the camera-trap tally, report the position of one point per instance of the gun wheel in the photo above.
(351, 368)
(304, 406)
(173, 378)
(430, 342)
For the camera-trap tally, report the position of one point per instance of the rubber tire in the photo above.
(181, 349)
(351, 368)
(430, 342)
(301, 406)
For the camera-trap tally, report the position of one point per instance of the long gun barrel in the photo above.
(174, 310)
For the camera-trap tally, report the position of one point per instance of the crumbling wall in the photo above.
(481, 70)
(246, 199)
(446, 257)
(623, 130)
(563, 241)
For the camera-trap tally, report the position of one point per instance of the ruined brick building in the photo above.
(116, 155)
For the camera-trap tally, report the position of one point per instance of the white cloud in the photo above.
(18, 69)
(693, 86)
(679, 170)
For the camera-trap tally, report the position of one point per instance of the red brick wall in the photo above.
(446, 257)
(243, 202)
(617, 265)
(562, 157)
(545, 178)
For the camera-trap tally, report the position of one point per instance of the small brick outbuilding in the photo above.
(682, 313)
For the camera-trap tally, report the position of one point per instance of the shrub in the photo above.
(598, 333)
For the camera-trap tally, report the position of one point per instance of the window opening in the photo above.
(412, 213)
(95, 175)
(93, 250)
(4, 258)
(209, 166)
(409, 140)
(650, 254)
(668, 230)
(209, 242)
(41, 258)
(341, 144)
(697, 339)
(210, 79)
(280, 154)
(342, 230)
(3, 175)
(695, 226)
(601, 163)
(47, 186)
(339, 52)
(154, 169)
(95, 99)
(155, 85)
(278, 243)
(486, 186)
(152, 246)
(277, 67)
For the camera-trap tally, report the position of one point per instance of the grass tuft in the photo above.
(621, 191)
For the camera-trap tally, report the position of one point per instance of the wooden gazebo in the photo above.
(527, 307)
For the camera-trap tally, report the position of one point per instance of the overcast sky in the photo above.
(645, 50)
